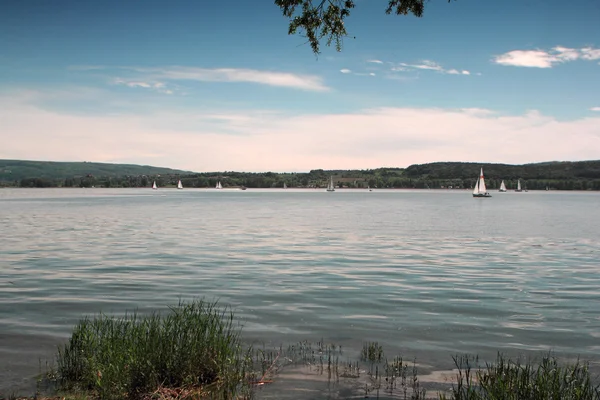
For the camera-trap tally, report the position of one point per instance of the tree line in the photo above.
(583, 175)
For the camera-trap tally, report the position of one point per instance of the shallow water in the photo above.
(427, 273)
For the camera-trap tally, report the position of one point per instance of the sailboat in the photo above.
(284, 185)
(330, 187)
(502, 187)
(179, 185)
(369, 187)
(518, 186)
(219, 185)
(480, 189)
(154, 187)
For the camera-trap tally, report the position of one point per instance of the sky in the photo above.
(220, 85)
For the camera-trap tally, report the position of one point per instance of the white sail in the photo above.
(284, 185)
(482, 188)
(518, 185)
(476, 188)
(502, 187)
(179, 185)
(154, 185)
(330, 187)
(219, 185)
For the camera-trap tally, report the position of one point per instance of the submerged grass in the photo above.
(193, 351)
(517, 380)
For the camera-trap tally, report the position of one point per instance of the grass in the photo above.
(193, 351)
(515, 380)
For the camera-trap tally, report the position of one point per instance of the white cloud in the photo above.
(178, 73)
(347, 71)
(525, 58)
(427, 65)
(159, 87)
(258, 140)
(271, 78)
(595, 109)
(375, 61)
(545, 58)
(589, 53)
(140, 84)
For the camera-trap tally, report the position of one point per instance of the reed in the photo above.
(194, 349)
(517, 380)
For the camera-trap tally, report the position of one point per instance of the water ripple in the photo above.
(423, 272)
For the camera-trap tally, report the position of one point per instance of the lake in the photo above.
(426, 273)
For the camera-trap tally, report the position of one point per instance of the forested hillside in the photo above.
(50, 172)
(582, 175)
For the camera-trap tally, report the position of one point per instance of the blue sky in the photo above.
(220, 85)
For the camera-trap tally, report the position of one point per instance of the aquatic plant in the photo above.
(195, 351)
(195, 348)
(517, 380)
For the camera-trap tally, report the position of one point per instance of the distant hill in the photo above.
(545, 170)
(16, 170)
(567, 175)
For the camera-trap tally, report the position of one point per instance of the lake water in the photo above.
(428, 273)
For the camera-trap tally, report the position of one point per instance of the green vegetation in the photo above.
(580, 175)
(50, 173)
(195, 352)
(514, 380)
(194, 348)
(326, 19)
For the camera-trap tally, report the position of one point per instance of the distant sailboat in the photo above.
(179, 185)
(369, 187)
(330, 187)
(284, 185)
(219, 185)
(480, 189)
(154, 185)
(518, 186)
(502, 187)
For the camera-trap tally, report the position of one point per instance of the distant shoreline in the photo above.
(578, 175)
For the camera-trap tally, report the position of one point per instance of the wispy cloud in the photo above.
(258, 140)
(159, 87)
(595, 109)
(180, 73)
(375, 61)
(270, 78)
(348, 71)
(589, 53)
(546, 58)
(428, 65)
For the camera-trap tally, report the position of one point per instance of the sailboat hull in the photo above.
(482, 195)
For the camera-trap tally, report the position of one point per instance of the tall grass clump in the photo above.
(515, 380)
(194, 346)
